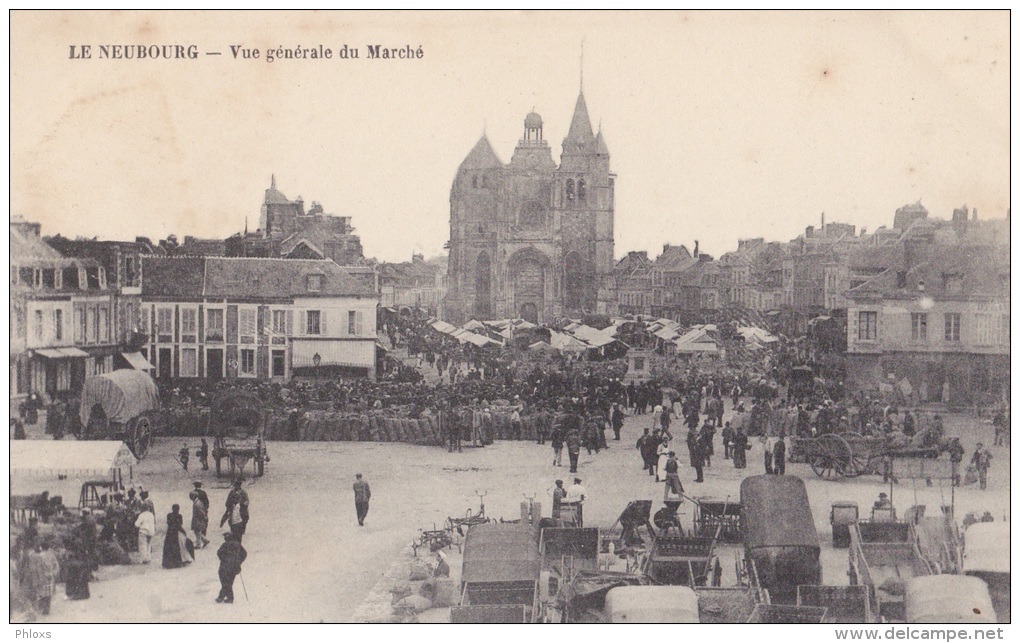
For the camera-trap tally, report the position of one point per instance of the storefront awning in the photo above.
(359, 353)
(59, 353)
(137, 361)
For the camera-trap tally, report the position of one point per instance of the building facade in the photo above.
(61, 319)
(936, 325)
(237, 318)
(531, 238)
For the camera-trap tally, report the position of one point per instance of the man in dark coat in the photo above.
(740, 447)
(573, 449)
(647, 446)
(617, 421)
(362, 494)
(779, 456)
(231, 555)
(697, 456)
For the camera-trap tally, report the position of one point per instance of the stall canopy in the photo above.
(755, 335)
(122, 395)
(696, 341)
(69, 457)
(58, 353)
(137, 361)
(564, 342)
(444, 327)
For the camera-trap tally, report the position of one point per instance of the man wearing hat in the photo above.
(231, 555)
(576, 495)
(883, 501)
(362, 494)
(199, 492)
(237, 511)
(559, 493)
(199, 514)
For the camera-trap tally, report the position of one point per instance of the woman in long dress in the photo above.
(663, 456)
(175, 552)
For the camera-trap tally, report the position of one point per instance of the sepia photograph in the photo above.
(463, 317)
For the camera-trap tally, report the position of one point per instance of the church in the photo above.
(531, 238)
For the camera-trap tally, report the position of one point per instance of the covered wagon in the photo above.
(780, 540)
(237, 422)
(121, 405)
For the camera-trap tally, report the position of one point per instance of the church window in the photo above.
(532, 215)
(485, 180)
(581, 189)
(474, 181)
(570, 189)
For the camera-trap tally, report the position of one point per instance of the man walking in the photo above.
(237, 511)
(617, 419)
(203, 458)
(231, 555)
(573, 449)
(982, 461)
(362, 494)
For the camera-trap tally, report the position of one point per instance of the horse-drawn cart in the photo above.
(237, 422)
(848, 455)
(121, 406)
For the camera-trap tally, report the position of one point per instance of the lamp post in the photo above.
(316, 360)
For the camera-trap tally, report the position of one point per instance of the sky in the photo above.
(720, 125)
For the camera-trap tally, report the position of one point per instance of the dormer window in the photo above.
(314, 283)
(952, 283)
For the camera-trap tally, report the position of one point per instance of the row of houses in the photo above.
(85, 307)
(808, 275)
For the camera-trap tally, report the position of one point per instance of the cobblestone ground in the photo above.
(309, 561)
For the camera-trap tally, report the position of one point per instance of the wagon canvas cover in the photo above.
(123, 394)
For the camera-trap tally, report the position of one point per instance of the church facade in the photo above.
(531, 238)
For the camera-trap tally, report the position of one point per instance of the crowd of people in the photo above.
(123, 532)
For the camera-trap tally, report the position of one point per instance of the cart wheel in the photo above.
(824, 466)
(139, 436)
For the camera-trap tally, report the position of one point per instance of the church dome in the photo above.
(532, 121)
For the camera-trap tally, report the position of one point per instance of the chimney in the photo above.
(973, 214)
(695, 248)
(960, 219)
(822, 229)
(809, 231)
(665, 247)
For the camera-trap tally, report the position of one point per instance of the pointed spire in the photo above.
(600, 144)
(246, 226)
(481, 156)
(580, 127)
(582, 65)
(272, 181)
